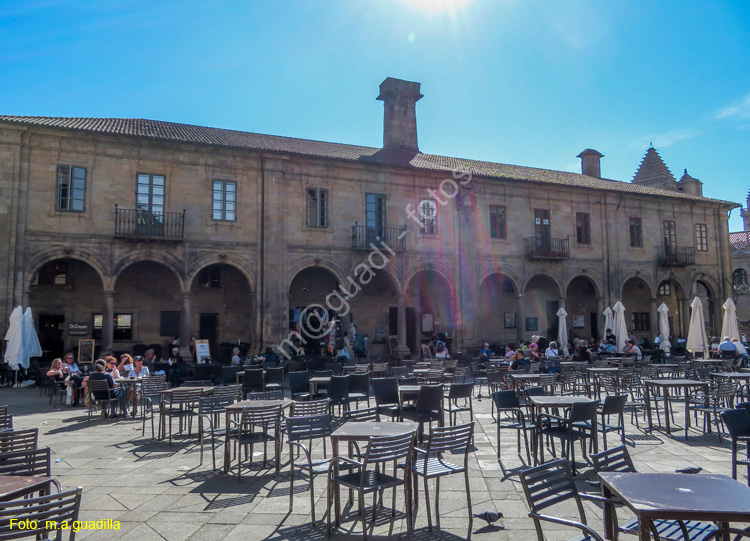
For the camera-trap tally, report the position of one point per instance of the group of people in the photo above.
(69, 377)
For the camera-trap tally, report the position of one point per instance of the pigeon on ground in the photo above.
(595, 484)
(689, 470)
(489, 516)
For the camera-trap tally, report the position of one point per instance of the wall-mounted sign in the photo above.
(578, 322)
(79, 329)
(532, 324)
(202, 352)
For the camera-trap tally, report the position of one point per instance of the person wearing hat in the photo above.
(114, 391)
(140, 370)
(485, 351)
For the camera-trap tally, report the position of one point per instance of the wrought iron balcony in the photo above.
(363, 236)
(143, 225)
(675, 256)
(547, 248)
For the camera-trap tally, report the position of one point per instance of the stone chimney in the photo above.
(745, 213)
(690, 185)
(590, 163)
(400, 125)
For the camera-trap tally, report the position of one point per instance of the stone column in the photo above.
(185, 327)
(24, 299)
(653, 319)
(685, 319)
(520, 320)
(108, 316)
(403, 349)
(600, 317)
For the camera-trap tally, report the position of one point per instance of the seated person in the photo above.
(582, 352)
(519, 361)
(126, 363)
(236, 359)
(608, 348)
(111, 367)
(56, 371)
(485, 351)
(532, 352)
(552, 351)
(631, 349)
(114, 392)
(140, 370)
(727, 347)
(741, 350)
(75, 377)
(441, 352)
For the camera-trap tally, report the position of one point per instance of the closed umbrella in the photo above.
(32, 347)
(620, 327)
(729, 326)
(14, 336)
(663, 321)
(609, 322)
(696, 338)
(562, 331)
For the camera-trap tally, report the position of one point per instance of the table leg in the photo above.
(644, 533)
(226, 442)
(687, 412)
(336, 496)
(648, 408)
(667, 410)
(539, 442)
(609, 514)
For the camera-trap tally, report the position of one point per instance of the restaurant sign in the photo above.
(79, 329)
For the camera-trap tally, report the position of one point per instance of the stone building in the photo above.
(740, 256)
(145, 229)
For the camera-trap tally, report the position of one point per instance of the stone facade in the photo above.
(740, 256)
(237, 279)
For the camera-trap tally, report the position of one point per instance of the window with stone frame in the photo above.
(641, 321)
(739, 277)
(428, 216)
(665, 289)
(636, 233)
(498, 226)
(583, 228)
(317, 207)
(70, 188)
(701, 237)
(54, 273)
(122, 326)
(224, 200)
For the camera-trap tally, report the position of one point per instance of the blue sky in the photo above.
(513, 81)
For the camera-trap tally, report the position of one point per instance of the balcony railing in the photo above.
(547, 248)
(675, 256)
(363, 236)
(140, 224)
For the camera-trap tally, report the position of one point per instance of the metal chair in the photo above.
(299, 385)
(427, 408)
(359, 388)
(386, 396)
(43, 515)
(310, 407)
(307, 428)
(234, 391)
(510, 415)
(34, 462)
(580, 424)
(371, 478)
(266, 395)
(550, 484)
(181, 404)
(720, 399)
(613, 405)
(150, 396)
(737, 422)
(198, 383)
(338, 392)
(98, 390)
(430, 463)
(252, 381)
(459, 400)
(362, 415)
(274, 379)
(6, 419)
(19, 440)
(244, 434)
(211, 410)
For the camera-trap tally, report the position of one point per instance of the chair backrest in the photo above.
(262, 415)
(276, 394)
(153, 388)
(616, 459)
(156, 378)
(387, 448)
(322, 373)
(184, 395)
(198, 383)
(399, 370)
(430, 398)
(535, 391)
(506, 400)
(252, 379)
(310, 407)
(407, 380)
(583, 411)
(299, 382)
(550, 484)
(6, 419)
(362, 415)
(26, 462)
(460, 390)
(459, 372)
(737, 422)
(450, 438)
(614, 404)
(308, 427)
(209, 405)
(40, 513)
(99, 388)
(234, 390)
(385, 390)
(437, 365)
(334, 367)
(270, 364)
(359, 383)
(338, 388)
(275, 375)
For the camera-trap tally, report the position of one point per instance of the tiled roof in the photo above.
(653, 169)
(170, 131)
(739, 241)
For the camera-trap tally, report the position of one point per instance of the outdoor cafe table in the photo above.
(318, 380)
(362, 431)
(675, 496)
(523, 377)
(654, 385)
(16, 486)
(236, 409)
(168, 392)
(598, 373)
(740, 376)
(538, 403)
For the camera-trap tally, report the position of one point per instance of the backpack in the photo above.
(340, 344)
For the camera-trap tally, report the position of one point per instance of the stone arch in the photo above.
(238, 262)
(494, 300)
(169, 261)
(307, 262)
(58, 252)
(430, 292)
(438, 267)
(582, 295)
(592, 277)
(555, 280)
(507, 273)
(645, 279)
(710, 282)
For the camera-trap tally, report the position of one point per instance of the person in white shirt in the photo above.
(741, 350)
(631, 349)
(441, 352)
(552, 350)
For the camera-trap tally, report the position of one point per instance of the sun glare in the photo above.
(437, 6)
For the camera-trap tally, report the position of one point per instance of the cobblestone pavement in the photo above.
(158, 491)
